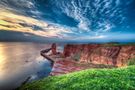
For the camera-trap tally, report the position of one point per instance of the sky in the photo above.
(73, 20)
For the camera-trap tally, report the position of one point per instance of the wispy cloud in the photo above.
(91, 37)
(90, 19)
(23, 16)
(16, 22)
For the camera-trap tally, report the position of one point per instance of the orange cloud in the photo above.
(12, 21)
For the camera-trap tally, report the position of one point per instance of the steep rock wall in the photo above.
(100, 54)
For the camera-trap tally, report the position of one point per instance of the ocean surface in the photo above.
(20, 61)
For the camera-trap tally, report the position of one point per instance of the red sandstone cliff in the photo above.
(100, 54)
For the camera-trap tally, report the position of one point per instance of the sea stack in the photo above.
(54, 49)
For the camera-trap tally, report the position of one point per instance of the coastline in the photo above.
(64, 65)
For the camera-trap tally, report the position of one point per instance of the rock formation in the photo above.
(101, 54)
(54, 48)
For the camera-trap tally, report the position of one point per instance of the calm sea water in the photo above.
(19, 61)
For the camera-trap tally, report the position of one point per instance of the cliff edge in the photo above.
(100, 54)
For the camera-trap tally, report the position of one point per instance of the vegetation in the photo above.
(77, 56)
(94, 79)
(131, 61)
(118, 44)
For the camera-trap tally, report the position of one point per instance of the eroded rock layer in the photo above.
(100, 54)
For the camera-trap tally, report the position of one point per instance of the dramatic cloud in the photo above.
(16, 22)
(68, 19)
(22, 15)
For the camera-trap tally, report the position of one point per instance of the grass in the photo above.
(119, 44)
(131, 61)
(95, 79)
(77, 56)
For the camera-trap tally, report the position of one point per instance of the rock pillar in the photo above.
(54, 49)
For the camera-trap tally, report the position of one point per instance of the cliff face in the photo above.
(99, 54)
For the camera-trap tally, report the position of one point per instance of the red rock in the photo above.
(97, 54)
(92, 53)
(54, 49)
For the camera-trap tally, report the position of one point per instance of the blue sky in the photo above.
(78, 20)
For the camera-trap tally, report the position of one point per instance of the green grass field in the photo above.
(93, 79)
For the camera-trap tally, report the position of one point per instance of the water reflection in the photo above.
(18, 61)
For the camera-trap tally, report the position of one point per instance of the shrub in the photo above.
(77, 56)
(131, 61)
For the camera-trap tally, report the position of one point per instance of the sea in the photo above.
(21, 62)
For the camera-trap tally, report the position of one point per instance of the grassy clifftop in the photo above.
(95, 79)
